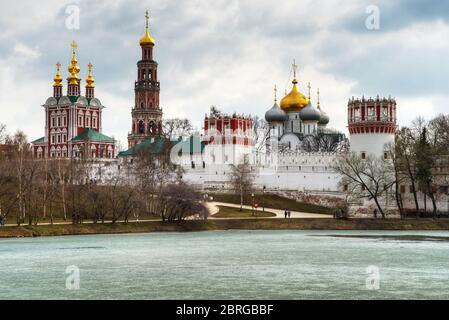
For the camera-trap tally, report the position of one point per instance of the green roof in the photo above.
(92, 135)
(39, 141)
(194, 144)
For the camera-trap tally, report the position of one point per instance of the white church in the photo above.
(299, 150)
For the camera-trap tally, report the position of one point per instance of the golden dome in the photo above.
(147, 39)
(58, 78)
(74, 69)
(295, 100)
(90, 79)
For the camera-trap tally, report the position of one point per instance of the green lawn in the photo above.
(226, 224)
(228, 212)
(272, 201)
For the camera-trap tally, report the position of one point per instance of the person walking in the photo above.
(375, 213)
(289, 213)
(285, 214)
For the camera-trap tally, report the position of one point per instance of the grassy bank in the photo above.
(272, 201)
(242, 224)
(228, 212)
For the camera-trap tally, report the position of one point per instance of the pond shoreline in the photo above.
(224, 224)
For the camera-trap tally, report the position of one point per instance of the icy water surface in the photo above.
(226, 265)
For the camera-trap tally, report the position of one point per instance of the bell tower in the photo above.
(146, 113)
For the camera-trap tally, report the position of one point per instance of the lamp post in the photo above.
(252, 207)
(263, 198)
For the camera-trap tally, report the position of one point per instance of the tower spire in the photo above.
(318, 99)
(147, 39)
(74, 80)
(90, 83)
(57, 85)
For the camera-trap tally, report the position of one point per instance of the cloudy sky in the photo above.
(227, 53)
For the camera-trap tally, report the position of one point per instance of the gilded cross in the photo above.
(275, 93)
(147, 16)
(318, 93)
(309, 87)
(295, 67)
(74, 45)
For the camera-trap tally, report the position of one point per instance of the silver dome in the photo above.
(64, 100)
(95, 102)
(82, 101)
(276, 114)
(51, 101)
(324, 119)
(309, 113)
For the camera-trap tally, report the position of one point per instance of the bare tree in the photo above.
(261, 131)
(438, 134)
(19, 154)
(323, 142)
(405, 156)
(3, 133)
(241, 178)
(175, 128)
(179, 201)
(365, 178)
(214, 111)
(396, 168)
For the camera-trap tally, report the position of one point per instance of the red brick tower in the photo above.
(146, 113)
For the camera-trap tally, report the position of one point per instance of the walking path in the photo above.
(213, 209)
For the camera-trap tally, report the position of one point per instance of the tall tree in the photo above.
(425, 163)
(241, 178)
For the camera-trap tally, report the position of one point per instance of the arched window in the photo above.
(80, 119)
(87, 120)
(141, 127)
(94, 120)
(53, 120)
(64, 119)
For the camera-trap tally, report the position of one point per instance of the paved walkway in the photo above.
(213, 209)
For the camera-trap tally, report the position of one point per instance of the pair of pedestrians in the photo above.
(287, 214)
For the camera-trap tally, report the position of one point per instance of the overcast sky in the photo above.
(226, 53)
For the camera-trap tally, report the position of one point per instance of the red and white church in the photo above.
(73, 122)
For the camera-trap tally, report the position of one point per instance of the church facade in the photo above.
(73, 122)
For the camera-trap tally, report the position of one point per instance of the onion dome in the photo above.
(90, 79)
(147, 39)
(309, 113)
(324, 119)
(295, 100)
(57, 79)
(74, 69)
(275, 114)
